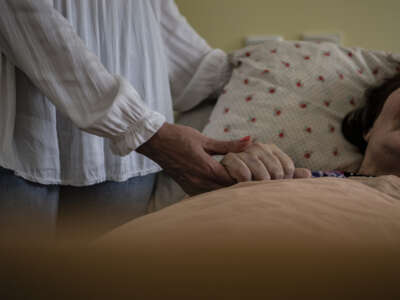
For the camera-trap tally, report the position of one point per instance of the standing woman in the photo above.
(87, 91)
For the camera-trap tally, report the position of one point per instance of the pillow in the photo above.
(295, 95)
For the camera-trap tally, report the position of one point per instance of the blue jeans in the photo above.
(32, 210)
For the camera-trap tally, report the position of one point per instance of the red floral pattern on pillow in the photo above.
(295, 95)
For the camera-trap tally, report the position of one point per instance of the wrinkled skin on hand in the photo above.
(262, 162)
(185, 154)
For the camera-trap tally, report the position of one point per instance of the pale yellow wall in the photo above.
(373, 24)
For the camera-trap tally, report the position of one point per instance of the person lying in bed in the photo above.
(374, 128)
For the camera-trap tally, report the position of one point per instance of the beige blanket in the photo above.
(299, 239)
(321, 238)
(358, 211)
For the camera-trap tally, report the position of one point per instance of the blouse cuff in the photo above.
(210, 78)
(129, 123)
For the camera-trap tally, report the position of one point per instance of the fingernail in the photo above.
(246, 139)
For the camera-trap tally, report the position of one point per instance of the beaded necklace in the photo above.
(337, 174)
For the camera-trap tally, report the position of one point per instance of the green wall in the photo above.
(363, 23)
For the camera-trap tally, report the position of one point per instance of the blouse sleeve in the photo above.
(42, 43)
(196, 70)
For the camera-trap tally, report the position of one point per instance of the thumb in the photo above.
(224, 147)
(302, 173)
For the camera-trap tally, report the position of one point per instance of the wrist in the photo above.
(154, 143)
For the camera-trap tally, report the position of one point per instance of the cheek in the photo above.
(381, 144)
(383, 153)
(387, 148)
(392, 142)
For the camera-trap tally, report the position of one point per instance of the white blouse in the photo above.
(94, 80)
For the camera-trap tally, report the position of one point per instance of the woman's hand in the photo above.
(185, 154)
(262, 162)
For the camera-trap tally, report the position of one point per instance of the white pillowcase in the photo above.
(295, 95)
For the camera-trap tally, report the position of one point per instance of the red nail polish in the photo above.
(246, 139)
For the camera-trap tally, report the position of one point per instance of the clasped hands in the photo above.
(185, 154)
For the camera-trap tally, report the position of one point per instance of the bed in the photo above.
(293, 94)
(322, 238)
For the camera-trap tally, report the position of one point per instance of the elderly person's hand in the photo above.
(262, 162)
(185, 154)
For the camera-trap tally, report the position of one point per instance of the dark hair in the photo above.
(358, 122)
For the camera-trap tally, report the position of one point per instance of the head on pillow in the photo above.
(375, 129)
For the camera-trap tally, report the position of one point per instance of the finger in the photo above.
(216, 172)
(273, 165)
(236, 168)
(212, 146)
(255, 165)
(286, 163)
(302, 173)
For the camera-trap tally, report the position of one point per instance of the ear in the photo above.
(367, 135)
